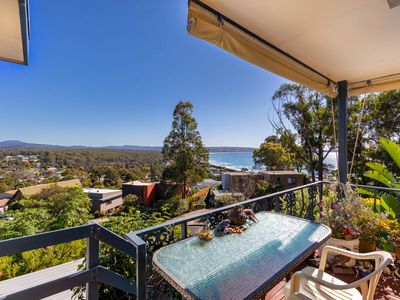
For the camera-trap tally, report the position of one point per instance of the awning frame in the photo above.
(293, 69)
(23, 6)
(25, 27)
(257, 37)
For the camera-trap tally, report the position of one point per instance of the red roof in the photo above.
(3, 202)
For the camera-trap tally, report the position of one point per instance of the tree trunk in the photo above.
(184, 190)
(320, 165)
(312, 173)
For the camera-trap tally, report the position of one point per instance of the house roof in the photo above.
(139, 183)
(281, 172)
(7, 194)
(35, 189)
(312, 42)
(240, 173)
(3, 202)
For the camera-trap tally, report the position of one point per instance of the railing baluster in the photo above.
(302, 203)
(263, 204)
(277, 204)
(184, 231)
(320, 190)
(92, 260)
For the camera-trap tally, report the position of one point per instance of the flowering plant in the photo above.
(338, 215)
(350, 216)
(392, 230)
(368, 223)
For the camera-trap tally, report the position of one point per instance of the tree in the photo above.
(309, 113)
(64, 207)
(371, 117)
(185, 157)
(53, 208)
(385, 116)
(130, 201)
(273, 155)
(112, 178)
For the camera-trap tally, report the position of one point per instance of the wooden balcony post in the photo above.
(92, 261)
(342, 130)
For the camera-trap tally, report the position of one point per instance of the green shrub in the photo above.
(175, 205)
(227, 199)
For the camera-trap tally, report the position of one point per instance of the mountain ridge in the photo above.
(12, 144)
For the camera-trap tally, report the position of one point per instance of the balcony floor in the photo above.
(388, 288)
(277, 293)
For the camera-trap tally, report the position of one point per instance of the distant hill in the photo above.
(20, 144)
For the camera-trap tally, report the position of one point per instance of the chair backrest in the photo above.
(369, 282)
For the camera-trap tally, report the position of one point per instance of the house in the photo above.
(35, 189)
(3, 205)
(145, 191)
(240, 181)
(236, 181)
(5, 199)
(210, 183)
(285, 179)
(104, 200)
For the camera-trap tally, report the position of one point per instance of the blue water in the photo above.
(234, 160)
(239, 160)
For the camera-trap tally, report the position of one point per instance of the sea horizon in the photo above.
(241, 160)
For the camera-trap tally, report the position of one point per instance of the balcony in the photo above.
(141, 245)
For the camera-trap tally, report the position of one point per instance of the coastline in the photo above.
(224, 168)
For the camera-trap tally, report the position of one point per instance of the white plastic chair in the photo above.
(312, 283)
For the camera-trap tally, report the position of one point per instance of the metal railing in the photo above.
(94, 273)
(142, 243)
(376, 191)
(154, 237)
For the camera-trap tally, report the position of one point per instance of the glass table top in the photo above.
(239, 266)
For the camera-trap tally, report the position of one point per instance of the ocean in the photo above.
(234, 160)
(239, 160)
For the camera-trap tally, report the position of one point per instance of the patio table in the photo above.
(240, 266)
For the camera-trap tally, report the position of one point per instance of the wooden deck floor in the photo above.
(388, 288)
(277, 293)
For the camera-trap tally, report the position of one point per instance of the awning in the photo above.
(312, 42)
(14, 31)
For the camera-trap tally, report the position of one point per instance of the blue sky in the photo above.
(106, 72)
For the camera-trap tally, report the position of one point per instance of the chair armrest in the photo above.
(360, 256)
(296, 278)
(376, 255)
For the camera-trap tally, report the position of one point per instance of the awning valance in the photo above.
(226, 24)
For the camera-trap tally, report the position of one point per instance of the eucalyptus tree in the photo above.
(273, 155)
(305, 124)
(185, 157)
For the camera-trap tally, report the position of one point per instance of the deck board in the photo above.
(276, 293)
(29, 280)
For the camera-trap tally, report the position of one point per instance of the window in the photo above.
(291, 180)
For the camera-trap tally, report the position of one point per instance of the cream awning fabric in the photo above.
(312, 42)
(14, 31)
